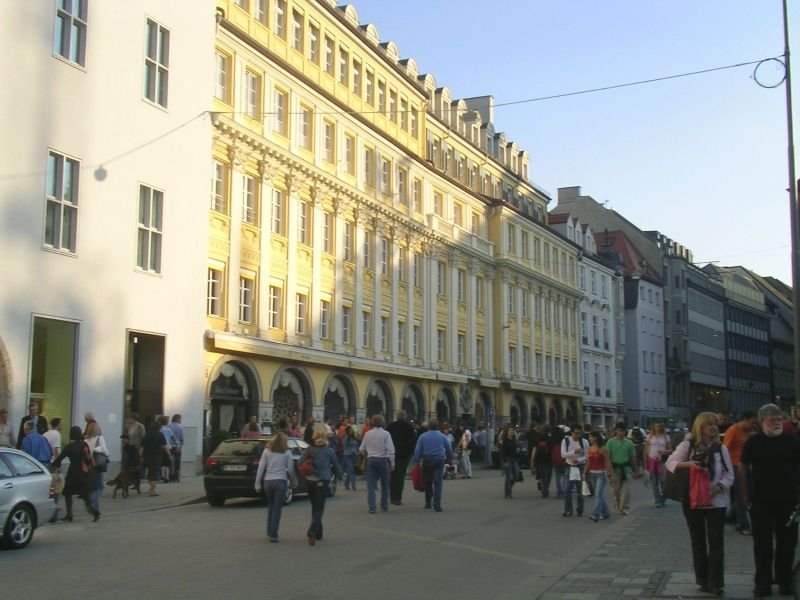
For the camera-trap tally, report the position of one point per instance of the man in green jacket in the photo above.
(622, 454)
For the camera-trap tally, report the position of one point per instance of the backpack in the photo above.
(637, 436)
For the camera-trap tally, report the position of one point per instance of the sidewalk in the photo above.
(650, 557)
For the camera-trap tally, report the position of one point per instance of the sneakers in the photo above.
(745, 532)
(567, 514)
(593, 518)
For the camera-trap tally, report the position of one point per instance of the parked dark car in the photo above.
(230, 471)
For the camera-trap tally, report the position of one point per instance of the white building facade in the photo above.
(103, 237)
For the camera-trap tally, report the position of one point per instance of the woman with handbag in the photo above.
(705, 503)
(323, 458)
(657, 447)
(97, 446)
(275, 472)
(76, 482)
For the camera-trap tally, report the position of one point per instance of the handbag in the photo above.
(699, 488)
(306, 466)
(574, 473)
(676, 485)
(585, 491)
(100, 462)
(416, 478)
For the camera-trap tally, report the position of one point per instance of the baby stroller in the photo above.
(451, 468)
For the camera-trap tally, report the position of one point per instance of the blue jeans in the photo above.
(559, 476)
(512, 472)
(317, 492)
(657, 481)
(96, 488)
(349, 468)
(432, 471)
(570, 486)
(599, 484)
(275, 492)
(378, 469)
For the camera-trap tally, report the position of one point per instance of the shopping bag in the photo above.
(676, 485)
(585, 491)
(699, 488)
(416, 478)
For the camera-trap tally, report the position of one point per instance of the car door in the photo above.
(29, 482)
(7, 493)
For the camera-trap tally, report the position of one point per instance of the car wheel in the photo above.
(18, 532)
(215, 499)
(332, 488)
(287, 499)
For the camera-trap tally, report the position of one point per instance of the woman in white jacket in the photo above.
(97, 445)
(702, 449)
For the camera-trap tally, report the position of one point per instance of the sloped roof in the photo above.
(632, 259)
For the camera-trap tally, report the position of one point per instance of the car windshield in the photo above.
(239, 448)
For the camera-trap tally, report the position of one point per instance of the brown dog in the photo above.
(126, 479)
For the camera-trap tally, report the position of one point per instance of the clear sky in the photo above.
(703, 159)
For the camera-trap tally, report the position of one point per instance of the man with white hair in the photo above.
(772, 458)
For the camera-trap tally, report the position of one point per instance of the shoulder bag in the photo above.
(306, 466)
(676, 485)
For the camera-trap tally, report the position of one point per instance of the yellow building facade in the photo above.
(373, 243)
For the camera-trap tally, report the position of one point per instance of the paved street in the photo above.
(480, 546)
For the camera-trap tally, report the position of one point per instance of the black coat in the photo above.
(404, 438)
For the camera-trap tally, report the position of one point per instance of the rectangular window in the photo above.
(386, 177)
(478, 292)
(148, 250)
(276, 211)
(303, 212)
(61, 218)
(327, 229)
(404, 114)
(417, 275)
(250, 200)
(417, 195)
(280, 111)
(306, 128)
(384, 256)
(297, 30)
(512, 359)
(344, 67)
(329, 147)
(366, 253)
(441, 284)
(300, 317)
(476, 224)
(219, 197)
(261, 11)
(245, 300)
(524, 304)
(280, 19)
(415, 341)
(349, 154)
(510, 235)
(370, 88)
(438, 203)
(324, 319)
(461, 349)
(479, 353)
(356, 77)
(414, 123)
(593, 281)
(313, 43)
(458, 214)
(252, 95)
(381, 96)
(461, 285)
(369, 167)
(605, 334)
(214, 292)
(156, 63)
(222, 79)
(275, 309)
(595, 332)
(510, 298)
(401, 337)
(384, 334)
(366, 320)
(393, 105)
(524, 243)
(348, 240)
(347, 312)
(584, 328)
(440, 345)
(526, 356)
(402, 259)
(69, 40)
(330, 56)
(402, 185)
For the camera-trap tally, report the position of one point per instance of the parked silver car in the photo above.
(26, 497)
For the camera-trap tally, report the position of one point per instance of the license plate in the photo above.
(234, 467)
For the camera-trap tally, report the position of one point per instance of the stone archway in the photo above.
(292, 395)
(413, 402)
(379, 399)
(445, 405)
(538, 413)
(339, 399)
(233, 396)
(517, 413)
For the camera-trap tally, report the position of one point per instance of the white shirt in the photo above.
(568, 448)
(721, 474)
(377, 443)
(658, 444)
(53, 437)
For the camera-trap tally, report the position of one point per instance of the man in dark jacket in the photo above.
(404, 439)
(39, 421)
